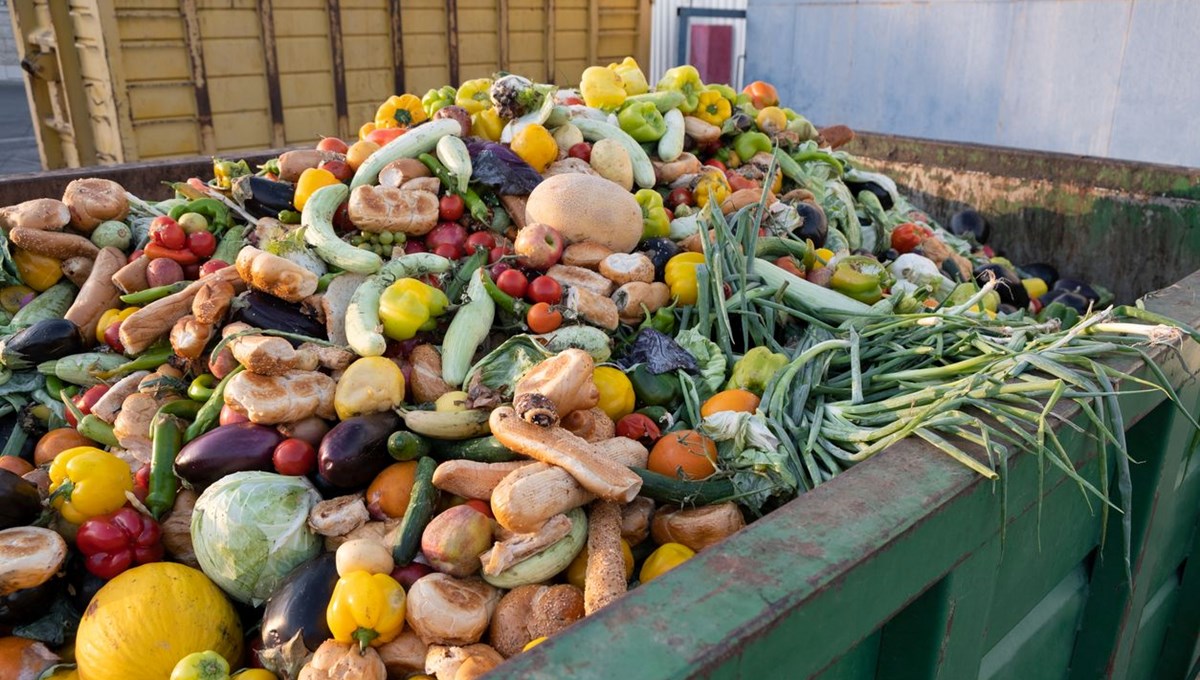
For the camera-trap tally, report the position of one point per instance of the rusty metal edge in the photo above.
(397, 45)
(1119, 175)
(193, 42)
(452, 39)
(337, 50)
(266, 15)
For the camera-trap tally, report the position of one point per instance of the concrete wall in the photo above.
(1115, 78)
(10, 68)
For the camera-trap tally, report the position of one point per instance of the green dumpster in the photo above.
(896, 569)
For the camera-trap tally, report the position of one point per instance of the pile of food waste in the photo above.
(406, 407)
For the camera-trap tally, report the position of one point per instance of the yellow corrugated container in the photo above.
(116, 81)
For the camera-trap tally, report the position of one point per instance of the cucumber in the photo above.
(467, 331)
(407, 445)
(643, 171)
(317, 220)
(454, 155)
(419, 140)
(362, 316)
(480, 450)
(671, 145)
(666, 489)
(418, 513)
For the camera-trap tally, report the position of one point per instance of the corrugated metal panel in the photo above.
(665, 33)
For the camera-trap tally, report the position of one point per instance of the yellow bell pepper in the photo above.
(366, 129)
(366, 608)
(771, 120)
(665, 558)
(686, 81)
(400, 111)
(536, 146)
(110, 317)
(311, 180)
(409, 306)
(632, 78)
(87, 482)
(36, 271)
(369, 385)
(711, 181)
(680, 277)
(712, 107)
(487, 124)
(475, 95)
(616, 391)
(602, 88)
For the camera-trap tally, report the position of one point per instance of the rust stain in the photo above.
(339, 67)
(452, 37)
(397, 46)
(266, 16)
(192, 40)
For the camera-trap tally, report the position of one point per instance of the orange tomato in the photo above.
(389, 492)
(542, 318)
(16, 465)
(359, 152)
(761, 94)
(55, 442)
(684, 453)
(730, 400)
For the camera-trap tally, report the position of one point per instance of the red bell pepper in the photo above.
(117, 541)
(639, 427)
(909, 235)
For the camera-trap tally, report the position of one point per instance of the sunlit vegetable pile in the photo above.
(413, 404)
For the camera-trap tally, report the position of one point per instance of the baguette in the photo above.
(605, 579)
(56, 244)
(471, 479)
(98, 294)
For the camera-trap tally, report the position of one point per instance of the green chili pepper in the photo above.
(202, 387)
(822, 156)
(467, 267)
(167, 438)
(503, 300)
(326, 279)
(145, 297)
(206, 417)
(289, 217)
(149, 360)
(662, 320)
(97, 430)
(749, 143)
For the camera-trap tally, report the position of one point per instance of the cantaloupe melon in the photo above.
(587, 208)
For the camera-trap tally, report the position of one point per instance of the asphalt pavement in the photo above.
(18, 145)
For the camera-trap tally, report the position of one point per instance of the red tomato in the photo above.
(112, 337)
(384, 135)
(513, 283)
(639, 427)
(339, 169)
(670, 214)
(332, 144)
(212, 266)
(545, 289)
(716, 164)
(447, 234)
(481, 507)
(202, 243)
(229, 416)
(294, 457)
(543, 318)
(141, 482)
(167, 233)
(450, 252)
(680, 196)
(85, 401)
(908, 236)
(451, 207)
(480, 239)
(582, 151)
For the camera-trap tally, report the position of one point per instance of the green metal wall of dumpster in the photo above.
(897, 569)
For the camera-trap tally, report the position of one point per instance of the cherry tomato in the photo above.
(480, 239)
(543, 318)
(294, 457)
(483, 508)
(339, 169)
(332, 144)
(167, 233)
(545, 289)
(385, 135)
(716, 164)
(112, 337)
(202, 243)
(680, 196)
(212, 266)
(582, 151)
(451, 207)
(513, 282)
(229, 416)
(448, 251)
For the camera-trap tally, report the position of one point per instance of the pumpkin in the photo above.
(141, 623)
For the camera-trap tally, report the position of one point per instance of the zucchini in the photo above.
(404, 445)
(53, 303)
(418, 513)
(671, 145)
(419, 140)
(467, 331)
(453, 154)
(480, 450)
(45, 340)
(666, 489)
(362, 316)
(544, 565)
(317, 220)
(643, 171)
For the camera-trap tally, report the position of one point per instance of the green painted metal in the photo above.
(896, 569)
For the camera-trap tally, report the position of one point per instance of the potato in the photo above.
(611, 160)
(163, 271)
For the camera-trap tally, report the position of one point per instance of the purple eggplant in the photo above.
(230, 448)
(355, 450)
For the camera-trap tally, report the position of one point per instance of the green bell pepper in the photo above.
(1067, 316)
(749, 143)
(654, 216)
(754, 370)
(642, 121)
(438, 98)
(654, 390)
(216, 212)
(725, 91)
(860, 277)
(686, 80)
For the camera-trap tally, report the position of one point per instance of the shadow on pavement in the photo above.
(18, 145)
